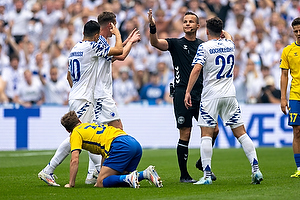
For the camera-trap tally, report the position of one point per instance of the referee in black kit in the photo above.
(183, 51)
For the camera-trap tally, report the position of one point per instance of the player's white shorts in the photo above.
(106, 110)
(227, 108)
(83, 108)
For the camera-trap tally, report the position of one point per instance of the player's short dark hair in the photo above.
(296, 22)
(91, 28)
(70, 121)
(192, 13)
(214, 26)
(106, 17)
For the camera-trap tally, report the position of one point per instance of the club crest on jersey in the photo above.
(113, 114)
(181, 120)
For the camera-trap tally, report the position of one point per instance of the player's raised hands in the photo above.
(136, 37)
(113, 29)
(150, 18)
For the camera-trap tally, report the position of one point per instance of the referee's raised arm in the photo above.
(160, 44)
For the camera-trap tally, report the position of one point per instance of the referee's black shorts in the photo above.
(184, 116)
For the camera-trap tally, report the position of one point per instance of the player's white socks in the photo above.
(61, 153)
(249, 148)
(206, 151)
(94, 163)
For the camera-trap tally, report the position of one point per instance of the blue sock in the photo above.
(112, 180)
(141, 176)
(297, 159)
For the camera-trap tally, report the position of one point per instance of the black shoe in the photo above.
(199, 166)
(187, 180)
(213, 177)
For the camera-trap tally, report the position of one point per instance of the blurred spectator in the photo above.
(3, 12)
(17, 47)
(12, 77)
(116, 65)
(263, 42)
(3, 37)
(269, 94)
(291, 10)
(153, 92)
(40, 66)
(59, 60)
(56, 89)
(164, 73)
(239, 49)
(18, 20)
(35, 26)
(3, 97)
(4, 60)
(49, 18)
(264, 10)
(251, 53)
(221, 10)
(199, 8)
(124, 91)
(254, 82)
(274, 59)
(30, 91)
(239, 82)
(239, 23)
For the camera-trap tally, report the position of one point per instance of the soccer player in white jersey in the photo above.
(216, 57)
(83, 63)
(105, 107)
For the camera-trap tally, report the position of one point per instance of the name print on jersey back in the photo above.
(217, 59)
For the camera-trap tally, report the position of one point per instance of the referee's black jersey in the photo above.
(183, 52)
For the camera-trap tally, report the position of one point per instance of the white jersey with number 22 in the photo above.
(217, 59)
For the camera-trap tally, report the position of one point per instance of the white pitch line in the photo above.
(27, 154)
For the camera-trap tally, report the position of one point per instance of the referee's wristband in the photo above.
(152, 29)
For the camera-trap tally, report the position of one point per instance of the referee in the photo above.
(183, 51)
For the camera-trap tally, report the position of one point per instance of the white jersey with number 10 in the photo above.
(83, 64)
(217, 59)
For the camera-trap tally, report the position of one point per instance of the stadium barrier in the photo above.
(39, 128)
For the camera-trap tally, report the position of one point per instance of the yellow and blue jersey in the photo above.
(290, 59)
(94, 138)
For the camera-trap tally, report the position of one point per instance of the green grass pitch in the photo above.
(19, 169)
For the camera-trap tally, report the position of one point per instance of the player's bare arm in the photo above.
(160, 44)
(118, 48)
(283, 86)
(134, 38)
(69, 78)
(73, 168)
(129, 37)
(192, 80)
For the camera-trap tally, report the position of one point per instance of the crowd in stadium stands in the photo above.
(37, 35)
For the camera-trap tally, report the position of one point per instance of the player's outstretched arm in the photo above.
(160, 44)
(132, 39)
(73, 168)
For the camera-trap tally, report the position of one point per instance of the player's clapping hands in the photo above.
(135, 36)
